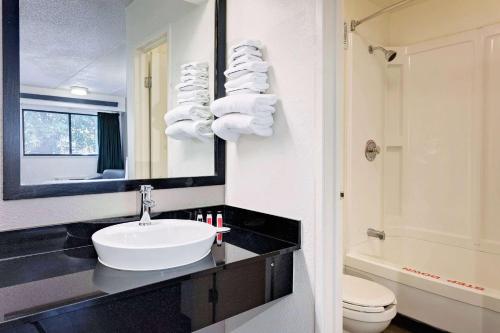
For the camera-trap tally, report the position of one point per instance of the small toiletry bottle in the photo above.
(199, 217)
(210, 219)
(220, 223)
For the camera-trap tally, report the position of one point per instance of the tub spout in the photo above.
(380, 234)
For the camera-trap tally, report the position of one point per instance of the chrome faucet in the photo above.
(376, 233)
(146, 204)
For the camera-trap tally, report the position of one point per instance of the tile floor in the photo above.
(396, 329)
(402, 324)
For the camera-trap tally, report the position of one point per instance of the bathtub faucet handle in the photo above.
(371, 150)
(380, 234)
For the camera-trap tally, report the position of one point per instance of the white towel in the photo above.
(195, 65)
(197, 81)
(193, 101)
(246, 44)
(244, 58)
(193, 93)
(247, 78)
(230, 126)
(189, 129)
(195, 72)
(241, 91)
(252, 87)
(245, 68)
(189, 77)
(186, 86)
(250, 104)
(241, 53)
(187, 112)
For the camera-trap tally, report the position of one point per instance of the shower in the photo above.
(389, 55)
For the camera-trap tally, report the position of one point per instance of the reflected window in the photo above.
(47, 133)
(83, 134)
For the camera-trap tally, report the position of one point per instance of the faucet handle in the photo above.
(146, 188)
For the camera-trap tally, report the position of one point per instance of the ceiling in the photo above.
(73, 42)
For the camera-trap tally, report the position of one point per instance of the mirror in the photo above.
(113, 91)
(128, 55)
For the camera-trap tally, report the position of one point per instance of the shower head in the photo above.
(389, 55)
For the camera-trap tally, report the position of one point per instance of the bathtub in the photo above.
(452, 288)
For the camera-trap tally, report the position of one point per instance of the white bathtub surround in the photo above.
(434, 188)
(252, 104)
(231, 126)
(190, 129)
(187, 112)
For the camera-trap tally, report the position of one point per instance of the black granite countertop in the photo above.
(48, 271)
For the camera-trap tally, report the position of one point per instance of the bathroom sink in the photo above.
(162, 244)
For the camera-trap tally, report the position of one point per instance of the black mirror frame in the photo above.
(12, 188)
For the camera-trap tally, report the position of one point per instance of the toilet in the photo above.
(367, 306)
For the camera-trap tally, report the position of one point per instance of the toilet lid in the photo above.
(366, 309)
(357, 291)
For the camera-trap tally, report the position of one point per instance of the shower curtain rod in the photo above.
(355, 23)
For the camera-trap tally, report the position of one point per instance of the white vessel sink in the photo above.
(161, 245)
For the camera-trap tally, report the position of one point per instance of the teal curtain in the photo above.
(109, 140)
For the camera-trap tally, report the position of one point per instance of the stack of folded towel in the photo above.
(243, 114)
(246, 109)
(247, 72)
(192, 118)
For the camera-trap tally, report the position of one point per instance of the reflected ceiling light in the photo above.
(80, 91)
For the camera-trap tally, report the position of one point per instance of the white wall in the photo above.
(42, 169)
(427, 19)
(189, 31)
(277, 174)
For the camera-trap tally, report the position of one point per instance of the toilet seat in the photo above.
(367, 301)
(368, 317)
(366, 309)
